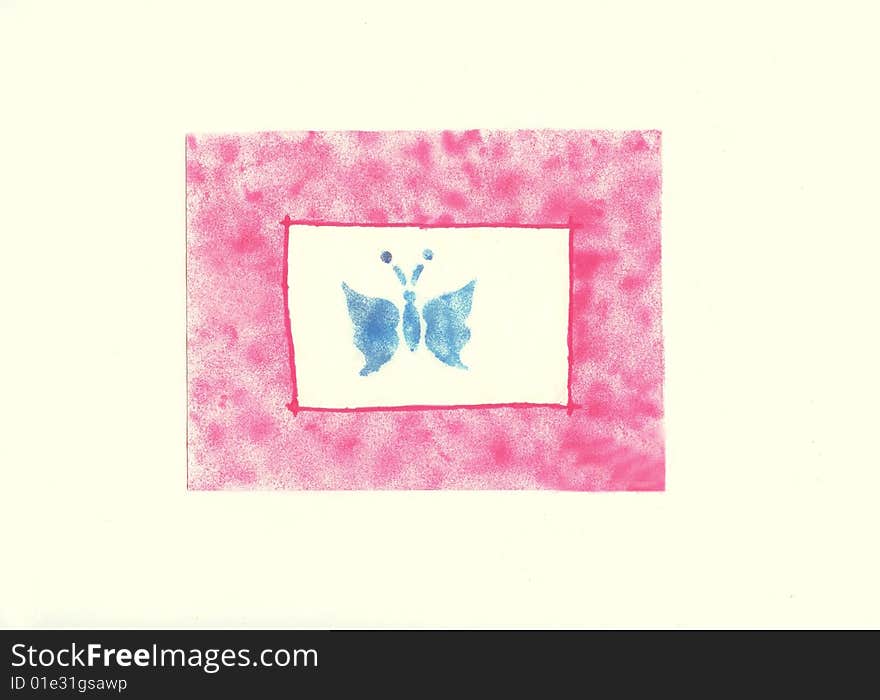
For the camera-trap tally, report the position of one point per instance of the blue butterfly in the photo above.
(375, 321)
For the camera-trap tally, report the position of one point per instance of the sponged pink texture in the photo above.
(241, 435)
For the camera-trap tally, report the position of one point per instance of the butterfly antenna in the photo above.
(427, 254)
(385, 257)
(400, 275)
(416, 273)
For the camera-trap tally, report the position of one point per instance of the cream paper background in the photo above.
(769, 116)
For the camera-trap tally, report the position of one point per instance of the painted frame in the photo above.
(246, 429)
(294, 404)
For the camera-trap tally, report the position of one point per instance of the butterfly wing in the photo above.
(375, 328)
(445, 330)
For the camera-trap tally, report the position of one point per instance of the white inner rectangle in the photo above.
(518, 348)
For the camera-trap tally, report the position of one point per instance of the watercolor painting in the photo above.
(425, 310)
(375, 320)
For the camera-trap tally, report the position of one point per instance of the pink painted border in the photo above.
(294, 404)
(602, 186)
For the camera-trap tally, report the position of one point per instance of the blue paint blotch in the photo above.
(417, 272)
(445, 330)
(412, 326)
(375, 328)
(375, 321)
(400, 275)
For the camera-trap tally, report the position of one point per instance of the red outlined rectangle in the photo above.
(294, 406)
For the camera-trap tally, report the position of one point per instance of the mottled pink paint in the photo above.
(239, 187)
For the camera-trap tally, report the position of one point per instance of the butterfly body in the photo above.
(375, 322)
(412, 327)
